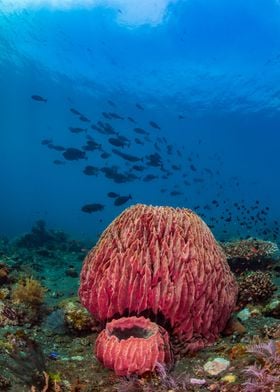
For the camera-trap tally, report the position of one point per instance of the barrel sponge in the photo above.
(162, 262)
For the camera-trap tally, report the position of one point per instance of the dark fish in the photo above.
(149, 177)
(138, 141)
(175, 193)
(138, 167)
(113, 174)
(91, 146)
(94, 207)
(45, 142)
(84, 118)
(74, 111)
(105, 155)
(193, 168)
(91, 170)
(118, 142)
(116, 116)
(121, 200)
(77, 129)
(56, 148)
(111, 103)
(181, 117)
(154, 160)
(58, 162)
(112, 195)
(141, 131)
(74, 154)
(131, 120)
(127, 157)
(154, 125)
(39, 98)
(106, 115)
(139, 106)
(105, 128)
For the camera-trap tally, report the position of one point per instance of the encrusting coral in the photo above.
(164, 264)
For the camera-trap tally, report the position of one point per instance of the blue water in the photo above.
(215, 63)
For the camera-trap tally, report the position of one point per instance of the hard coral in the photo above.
(249, 254)
(28, 291)
(162, 263)
(255, 287)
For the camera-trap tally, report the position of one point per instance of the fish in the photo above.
(131, 120)
(77, 129)
(138, 167)
(112, 195)
(140, 107)
(106, 115)
(58, 162)
(111, 103)
(91, 146)
(116, 116)
(154, 125)
(118, 142)
(55, 147)
(94, 207)
(39, 98)
(175, 193)
(138, 141)
(122, 200)
(84, 118)
(141, 131)
(91, 170)
(74, 154)
(149, 177)
(181, 117)
(75, 111)
(113, 174)
(105, 155)
(46, 142)
(154, 160)
(127, 157)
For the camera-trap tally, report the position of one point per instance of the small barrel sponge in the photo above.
(133, 345)
(163, 263)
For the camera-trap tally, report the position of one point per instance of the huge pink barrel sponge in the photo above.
(162, 263)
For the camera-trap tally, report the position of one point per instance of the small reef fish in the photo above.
(38, 98)
(121, 200)
(94, 207)
(77, 129)
(74, 154)
(112, 195)
(154, 125)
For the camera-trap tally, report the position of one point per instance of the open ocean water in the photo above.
(106, 104)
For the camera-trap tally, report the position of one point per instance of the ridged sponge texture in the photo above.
(133, 345)
(164, 261)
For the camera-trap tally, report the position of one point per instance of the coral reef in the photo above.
(162, 263)
(3, 273)
(251, 253)
(24, 359)
(255, 287)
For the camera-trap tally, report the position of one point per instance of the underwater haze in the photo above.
(104, 104)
